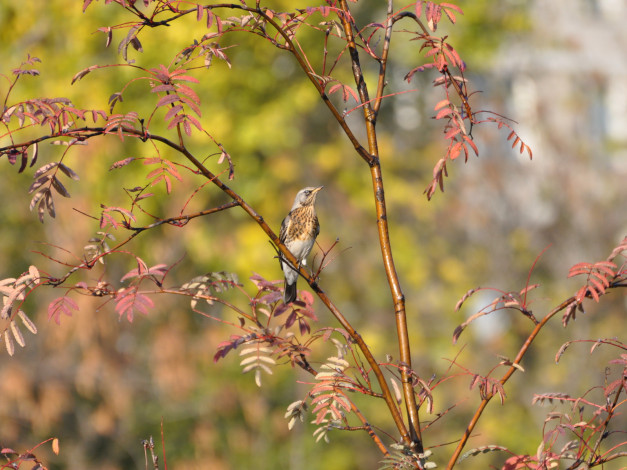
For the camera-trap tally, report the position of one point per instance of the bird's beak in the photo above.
(317, 189)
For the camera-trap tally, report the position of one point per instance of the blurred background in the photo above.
(101, 385)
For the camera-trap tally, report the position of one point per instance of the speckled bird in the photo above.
(298, 233)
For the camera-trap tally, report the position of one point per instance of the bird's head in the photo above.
(306, 196)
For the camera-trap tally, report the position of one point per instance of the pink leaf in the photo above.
(194, 121)
(443, 112)
(455, 150)
(61, 305)
(162, 88)
(128, 300)
(173, 111)
(441, 104)
(184, 78)
(167, 99)
(452, 6)
(418, 8)
(154, 173)
(472, 144)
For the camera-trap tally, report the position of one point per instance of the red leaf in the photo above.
(61, 305)
(418, 8)
(154, 173)
(472, 144)
(452, 133)
(194, 121)
(455, 150)
(168, 99)
(596, 289)
(452, 6)
(307, 297)
(452, 55)
(443, 112)
(594, 294)
(451, 15)
(173, 171)
(128, 300)
(191, 104)
(173, 111)
(441, 104)
(157, 180)
(606, 267)
(176, 120)
(188, 91)
(579, 268)
(183, 78)
(168, 184)
(604, 281)
(163, 88)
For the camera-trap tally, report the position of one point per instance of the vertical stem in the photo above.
(382, 224)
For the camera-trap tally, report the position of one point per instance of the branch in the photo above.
(291, 47)
(515, 366)
(137, 230)
(366, 426)
(383, 61)
(316, 83)
(384, 238)
(311, 280)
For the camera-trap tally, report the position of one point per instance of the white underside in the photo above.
(300, 250)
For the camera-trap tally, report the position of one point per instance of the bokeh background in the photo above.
(101, 385)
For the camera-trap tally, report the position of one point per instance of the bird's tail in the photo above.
(289, 294)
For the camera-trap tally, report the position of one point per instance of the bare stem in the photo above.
(382, 223)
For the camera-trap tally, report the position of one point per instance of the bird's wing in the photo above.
(284, 228)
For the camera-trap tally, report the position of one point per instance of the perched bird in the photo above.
(298, 233)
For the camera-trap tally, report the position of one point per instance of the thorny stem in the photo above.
(382, 224)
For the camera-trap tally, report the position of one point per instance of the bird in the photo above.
(298, 233)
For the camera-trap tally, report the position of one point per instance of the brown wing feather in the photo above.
(285, 228)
